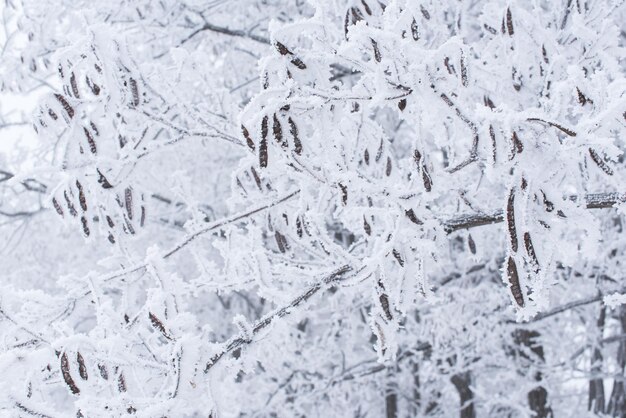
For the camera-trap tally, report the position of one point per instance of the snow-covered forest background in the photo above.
(312, 208)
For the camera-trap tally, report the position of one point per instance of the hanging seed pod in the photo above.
(90, 140)
(530, 250)
(415, 30)
(366, 156)
(517, 144)
(366, 7)
(412, 217)
(384, 302)
(70, 206)
(298, 63)
(514, 283)
(83, 220)
(121, 383)
(104, 373)
(128, 200)
(74, 85)
(377, 55)
(66, 106)
(95, 89)
(398, 257)
(81, 196)
(428, 183)
(379, 153)
(509, 22)
(510, 220)
(111, 238)
(492, 134)
(278, 132)
(402, 104)
(282, 49)
(344, 194)
(57, 207)
(464, 80)
(82, 369)
(263, 143)
(67, 377)
(367, 227)
(246, 135)
(425, 13)
(388, 167)
(256, 178)
(52, 114)
(281, 242)
(158, 325)
(134, 91)
(471, 244)
(142, 219)
(600, 162)
(582, 99)
(293, 129)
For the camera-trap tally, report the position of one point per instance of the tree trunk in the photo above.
(462, 382)
(391, 398)
(617, 402)
(538, 397)
(596, 386)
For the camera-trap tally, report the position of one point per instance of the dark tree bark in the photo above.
(391, 398)
(617, 402)
(596, 386)
(538, 397)
(462, 382)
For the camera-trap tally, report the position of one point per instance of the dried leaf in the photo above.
(82, 369)
(600, 162)
(263, 143)
(65, 371)
(510, 219)
(246, 135)
(514, 283)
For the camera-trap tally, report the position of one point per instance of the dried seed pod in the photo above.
(111, 238)
(263, 143)
(388, 167)
(530, 250)
(489, 29)
(57, 207)
(563, 129)
(298, 63)
(95, 89)
(367, 227)
(82, 369)
(464, 80)
(514, 283)
(134, 91)
(379, 153)
(451, 70)
(366, 157)
(489, 103)
(69, 204)
(81, 196)
(582, 99)
(281, 242)
(428, 183)
(293, 129)
(142, 219)
(425, 12)
(128, 200)
(377, 55)
(417, 157)
(492, 134)
(74, 85)
(415, 30)
(384, 302)
(121, 383)
(110, 221)
(90, 140)
(549, 206)
(509, 22)
(52, 114)
(299, 227)
(600, 162)
(256, 178)
(104, 373)
(246, 135)
(366, 7)
(471, 244)
(402, 104)
(510, 220)
(517, 144)
(157, 324)
(282, 49)
(412, 217)
(66, 106)
(83, 220)
(398, 257)
(344, 194)
(67, 377)
(278, 132)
